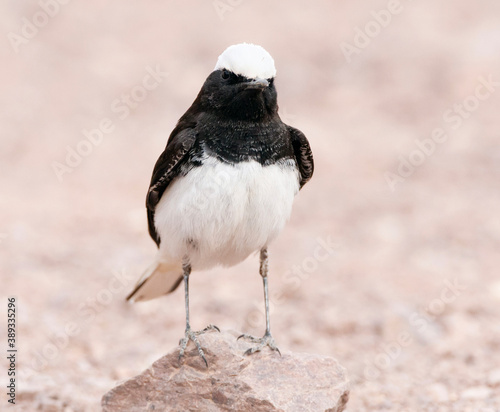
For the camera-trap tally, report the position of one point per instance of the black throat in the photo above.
(233, 141)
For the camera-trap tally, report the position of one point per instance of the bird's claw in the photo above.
(191, 335)
(266, 340)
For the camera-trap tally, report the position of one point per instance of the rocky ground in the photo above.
(231, 381)
(390, 261)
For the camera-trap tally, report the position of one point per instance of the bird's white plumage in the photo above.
(249, 60)
(218, 214)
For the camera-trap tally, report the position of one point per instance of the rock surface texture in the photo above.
(264, 381)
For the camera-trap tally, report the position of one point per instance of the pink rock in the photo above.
(264, 381)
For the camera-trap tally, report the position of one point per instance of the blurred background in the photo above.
(390, 261)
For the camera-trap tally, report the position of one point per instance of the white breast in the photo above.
(218, 214)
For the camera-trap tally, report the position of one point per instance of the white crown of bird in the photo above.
(248, 60)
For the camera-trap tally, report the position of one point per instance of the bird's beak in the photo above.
(257, 84)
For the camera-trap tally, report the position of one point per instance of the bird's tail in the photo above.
(159, 279)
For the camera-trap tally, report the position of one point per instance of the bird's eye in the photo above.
(225, 74)
(271, 81)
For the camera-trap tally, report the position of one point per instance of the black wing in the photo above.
(167, 167)
(303, 155)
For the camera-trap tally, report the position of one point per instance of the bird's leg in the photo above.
(189, 334)
(267, 339)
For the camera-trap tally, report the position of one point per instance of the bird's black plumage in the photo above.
(232, 122)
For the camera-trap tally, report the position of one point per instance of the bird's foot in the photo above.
(266, 340)
(193, 336)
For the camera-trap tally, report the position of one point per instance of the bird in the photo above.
(224, 186)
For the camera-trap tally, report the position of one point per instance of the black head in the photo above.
(238, 97)
(241, 87)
